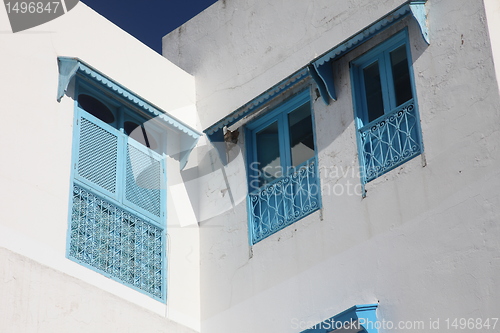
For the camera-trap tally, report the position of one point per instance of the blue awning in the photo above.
(323, 65)
(69, 67)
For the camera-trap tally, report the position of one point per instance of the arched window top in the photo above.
(96, 108)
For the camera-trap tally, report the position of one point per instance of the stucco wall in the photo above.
(424, 241)
(37, 298)
(36, 144)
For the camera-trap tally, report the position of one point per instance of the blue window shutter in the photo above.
(97, 156)
(117, 218)
(144, 180)
(118, 207)
(386, 140)
(294, 194)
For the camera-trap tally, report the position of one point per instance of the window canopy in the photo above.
(322, 67)
(71, 67)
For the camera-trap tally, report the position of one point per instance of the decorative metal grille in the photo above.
(143, 180)
(390, 141)
(117, 243)
(97, 155)
(284, 201)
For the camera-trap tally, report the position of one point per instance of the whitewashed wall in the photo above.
(424, 242)
(42, 290)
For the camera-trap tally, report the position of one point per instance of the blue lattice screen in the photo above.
(116, 242)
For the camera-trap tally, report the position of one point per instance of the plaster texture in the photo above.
(37, 298)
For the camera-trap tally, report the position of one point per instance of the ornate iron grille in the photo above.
(390, 141)
(284, 201)
(97, 155)
(117, 243)
(143, 180)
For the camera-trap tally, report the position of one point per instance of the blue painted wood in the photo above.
(320, 84)
(67, 70)
(324, 63)
(279, 114)
(323, 76)
(286, 199)
(71, 67)
(395, 137)
(97, 154)
(420, 15)
(117, 217)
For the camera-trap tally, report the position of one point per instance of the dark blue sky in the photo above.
(149, 20)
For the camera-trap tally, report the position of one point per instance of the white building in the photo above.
(85, 279)
(345, 170)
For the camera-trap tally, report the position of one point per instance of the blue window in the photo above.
(283, 177)
(386, 113)
(117, 214)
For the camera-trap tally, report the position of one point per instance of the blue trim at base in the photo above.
(361, 317)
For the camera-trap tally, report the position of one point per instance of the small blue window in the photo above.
(387, 119)
(283, 177)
